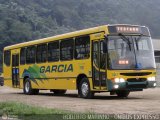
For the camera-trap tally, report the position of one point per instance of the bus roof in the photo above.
(58, 37)
(67, 35)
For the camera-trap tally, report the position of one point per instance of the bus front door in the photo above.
(98, 66)
(15, 71)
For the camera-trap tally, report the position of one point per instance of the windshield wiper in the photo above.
(124, 38)
(136, 41)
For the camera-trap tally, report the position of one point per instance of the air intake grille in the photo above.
(136, 74)
(137, 86)
(136, 79)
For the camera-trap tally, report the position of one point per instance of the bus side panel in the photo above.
(21, 83)
(7, 75)
(56, 75)
(55, 84)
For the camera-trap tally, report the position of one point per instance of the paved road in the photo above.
(146, 102)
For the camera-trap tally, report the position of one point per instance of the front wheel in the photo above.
(122, 93)
(84, 89)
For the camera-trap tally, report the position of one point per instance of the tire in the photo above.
(122, 93)
(27, 88)
(59, 92)
(84, 89)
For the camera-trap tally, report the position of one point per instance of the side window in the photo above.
(30, 54)
(7, 57)
(67, 49)
(23, 56)
(53, 51)
(41, 53)
(82, 47)
(157, 56)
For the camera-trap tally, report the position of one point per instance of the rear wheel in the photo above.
(122, 93)
(27, 88)
(84, 89)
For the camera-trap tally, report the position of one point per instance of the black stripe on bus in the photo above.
(57, 78)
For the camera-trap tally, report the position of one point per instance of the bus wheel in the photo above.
(27, 89)
(59, 92)
(123, 93)
(84, 89)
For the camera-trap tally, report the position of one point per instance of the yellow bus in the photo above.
(111, 58)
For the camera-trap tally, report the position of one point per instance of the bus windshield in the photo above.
(130, 52)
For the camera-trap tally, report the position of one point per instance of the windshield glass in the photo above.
(144, 52)
(130, 52)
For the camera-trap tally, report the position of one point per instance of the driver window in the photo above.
(113, 50)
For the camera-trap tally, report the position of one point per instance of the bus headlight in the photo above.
(119, 80)
(116, 86)
(151, 79)
(116, 80)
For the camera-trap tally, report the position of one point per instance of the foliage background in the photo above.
(24, 20)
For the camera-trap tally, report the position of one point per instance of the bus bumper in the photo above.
(131, 86)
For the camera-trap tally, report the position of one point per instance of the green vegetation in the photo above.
(24, 20)
(21, 111)
(26, 112)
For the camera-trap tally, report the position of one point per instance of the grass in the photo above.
(19, 108)
(26, 112)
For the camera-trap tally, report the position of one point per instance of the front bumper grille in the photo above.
(137, 86)
(136, 74)
(136, 79)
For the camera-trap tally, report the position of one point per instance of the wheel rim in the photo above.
(27, 87)
(84, 89)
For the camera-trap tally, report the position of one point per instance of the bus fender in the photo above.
(79, 78)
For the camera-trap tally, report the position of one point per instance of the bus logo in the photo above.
(56, 68)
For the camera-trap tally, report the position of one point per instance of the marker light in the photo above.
(151, 79)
